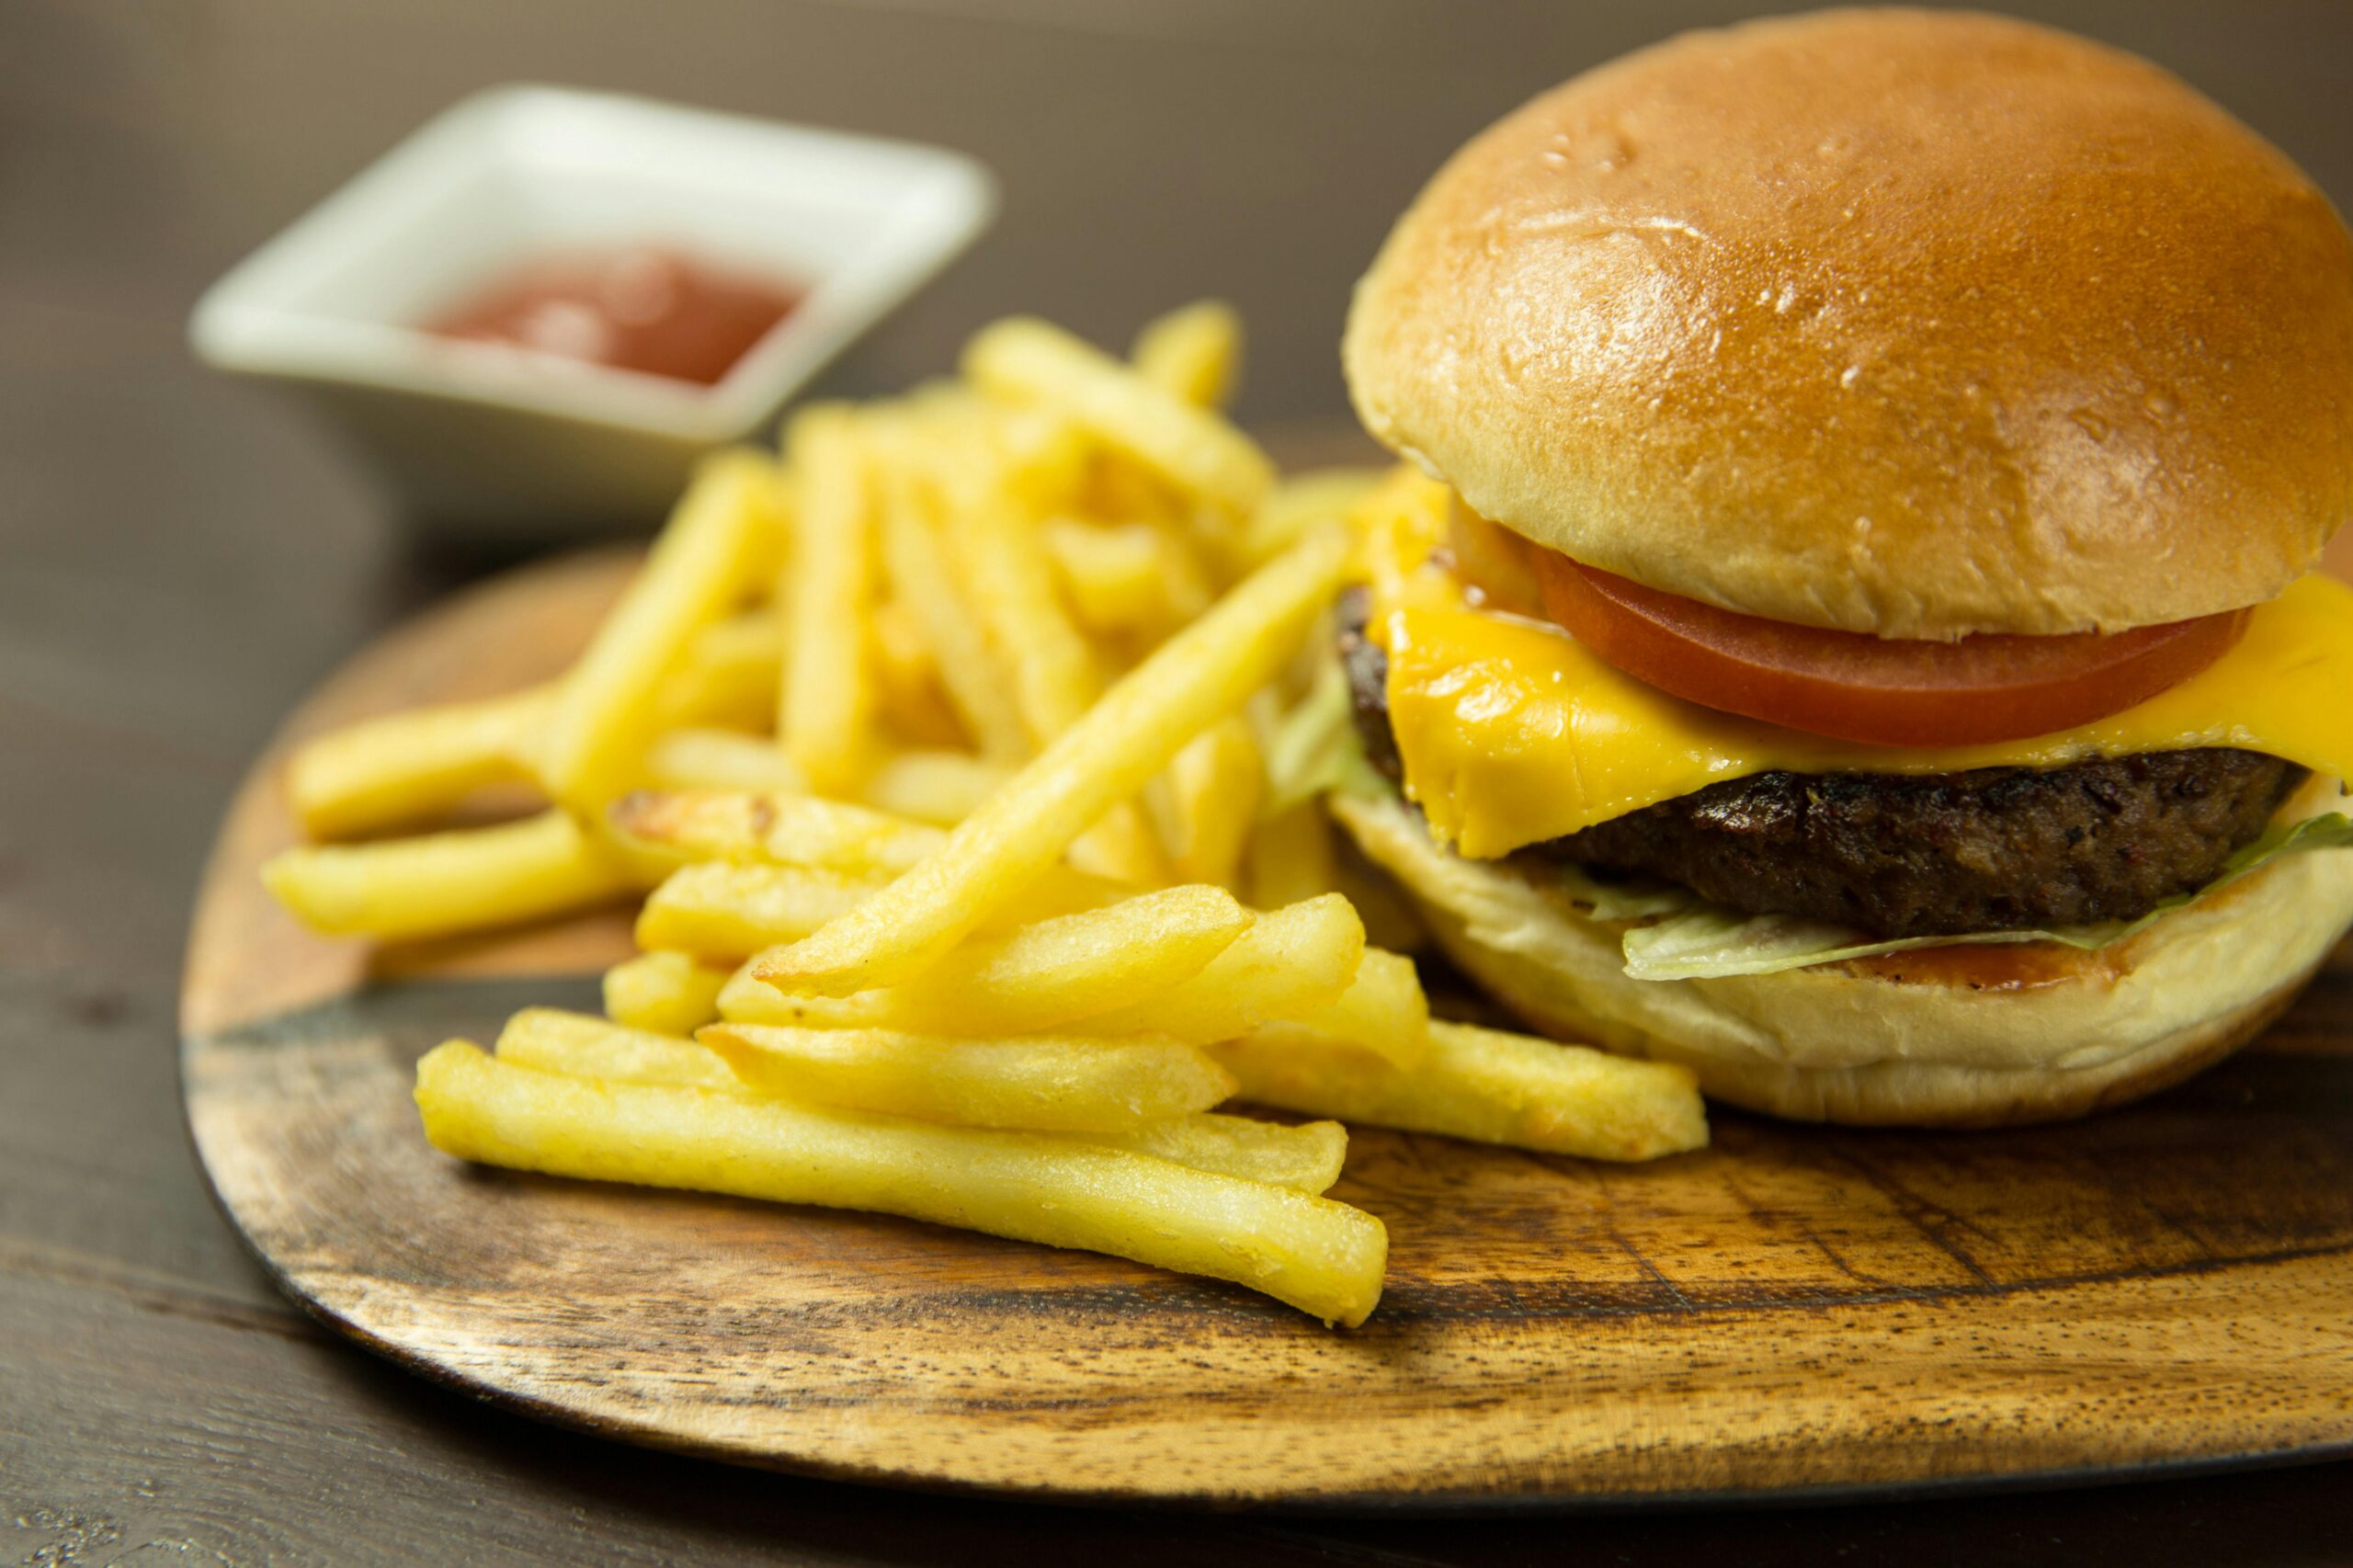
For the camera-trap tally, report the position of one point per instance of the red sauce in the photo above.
(648, 310)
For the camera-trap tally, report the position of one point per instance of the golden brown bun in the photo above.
(1846, 1044)
(1910, 323)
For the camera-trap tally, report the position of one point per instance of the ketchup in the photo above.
(650, 311)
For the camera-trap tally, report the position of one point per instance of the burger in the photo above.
(1849, 622)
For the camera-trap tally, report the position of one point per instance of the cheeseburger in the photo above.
(1850, 625)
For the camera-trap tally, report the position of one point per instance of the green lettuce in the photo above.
(1314, 750)
(1708, 941)
(1635, 898)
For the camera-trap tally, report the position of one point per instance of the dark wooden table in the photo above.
(180, 559)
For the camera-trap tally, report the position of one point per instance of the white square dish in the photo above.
(484, 441)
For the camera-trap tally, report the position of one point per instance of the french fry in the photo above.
(441, 883)
(774, 827)
(552, 1040)
(723, 912)
(699, 568)
(727, 677)
(695, 758)
(1054, 672)
(1026, 361)
(1039, 1084)
(1305, 501)
(1035, 977)
(1193, 352)
(1196, 677)
(1485, 1085)
(1323, 1258)
(826, 699)
(1212, 788)
(402, 768)
(1290, 856)
(1011, 583)
(1383, 1011)
(941, 788)
(1043, 457)
(1306, 1158)
(668, 993)
(1289, 962)
(913, 562)
(1126, 579)
(906, 673)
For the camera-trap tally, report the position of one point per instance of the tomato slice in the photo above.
(1871, 689)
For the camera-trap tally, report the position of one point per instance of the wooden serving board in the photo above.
(1795, 1311)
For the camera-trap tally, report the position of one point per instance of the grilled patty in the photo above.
(1918, 854)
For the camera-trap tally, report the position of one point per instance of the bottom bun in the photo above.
(1908, 1040)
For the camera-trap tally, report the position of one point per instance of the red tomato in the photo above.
(1873, 690)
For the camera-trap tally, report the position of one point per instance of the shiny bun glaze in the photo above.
(1910, 323)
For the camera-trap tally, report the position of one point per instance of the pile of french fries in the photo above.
(946, 753)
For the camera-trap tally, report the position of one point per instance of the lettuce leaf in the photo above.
(1709, 941)
(1633, 899)
(1315, 749)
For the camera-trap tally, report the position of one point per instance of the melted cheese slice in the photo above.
(1511, 733)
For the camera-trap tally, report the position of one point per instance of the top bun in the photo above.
(1903, 322)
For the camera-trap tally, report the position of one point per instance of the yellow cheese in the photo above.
(1511, 733)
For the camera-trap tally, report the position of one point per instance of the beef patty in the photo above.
(1918, 854)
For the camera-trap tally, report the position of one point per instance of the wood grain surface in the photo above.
(1796, 1310)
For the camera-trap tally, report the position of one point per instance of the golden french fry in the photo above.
(727, 677)
(1027, 360)
(550, 1039)
(1043, 458)
(1213, 788)
(1193, 352)
(1290, 856)
(1192, 680)
(1291, 962)
(1383, 1011)
(1042, 1083)
(720, 759)
(1323, 1258)
(748, 999)
(699, 568)
(437, 884)
(1033, 978)
(1126, 579)
(908, 694)
(1306, 1158)
(724, 911)
(1485, 1085)
(941, 788)
(1011, 582)
(402, 768)
(1054, 672)
(775, 827)
(826, 699)
(915, 562)
(668, 993)
(1302, 501)
(721, 911)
